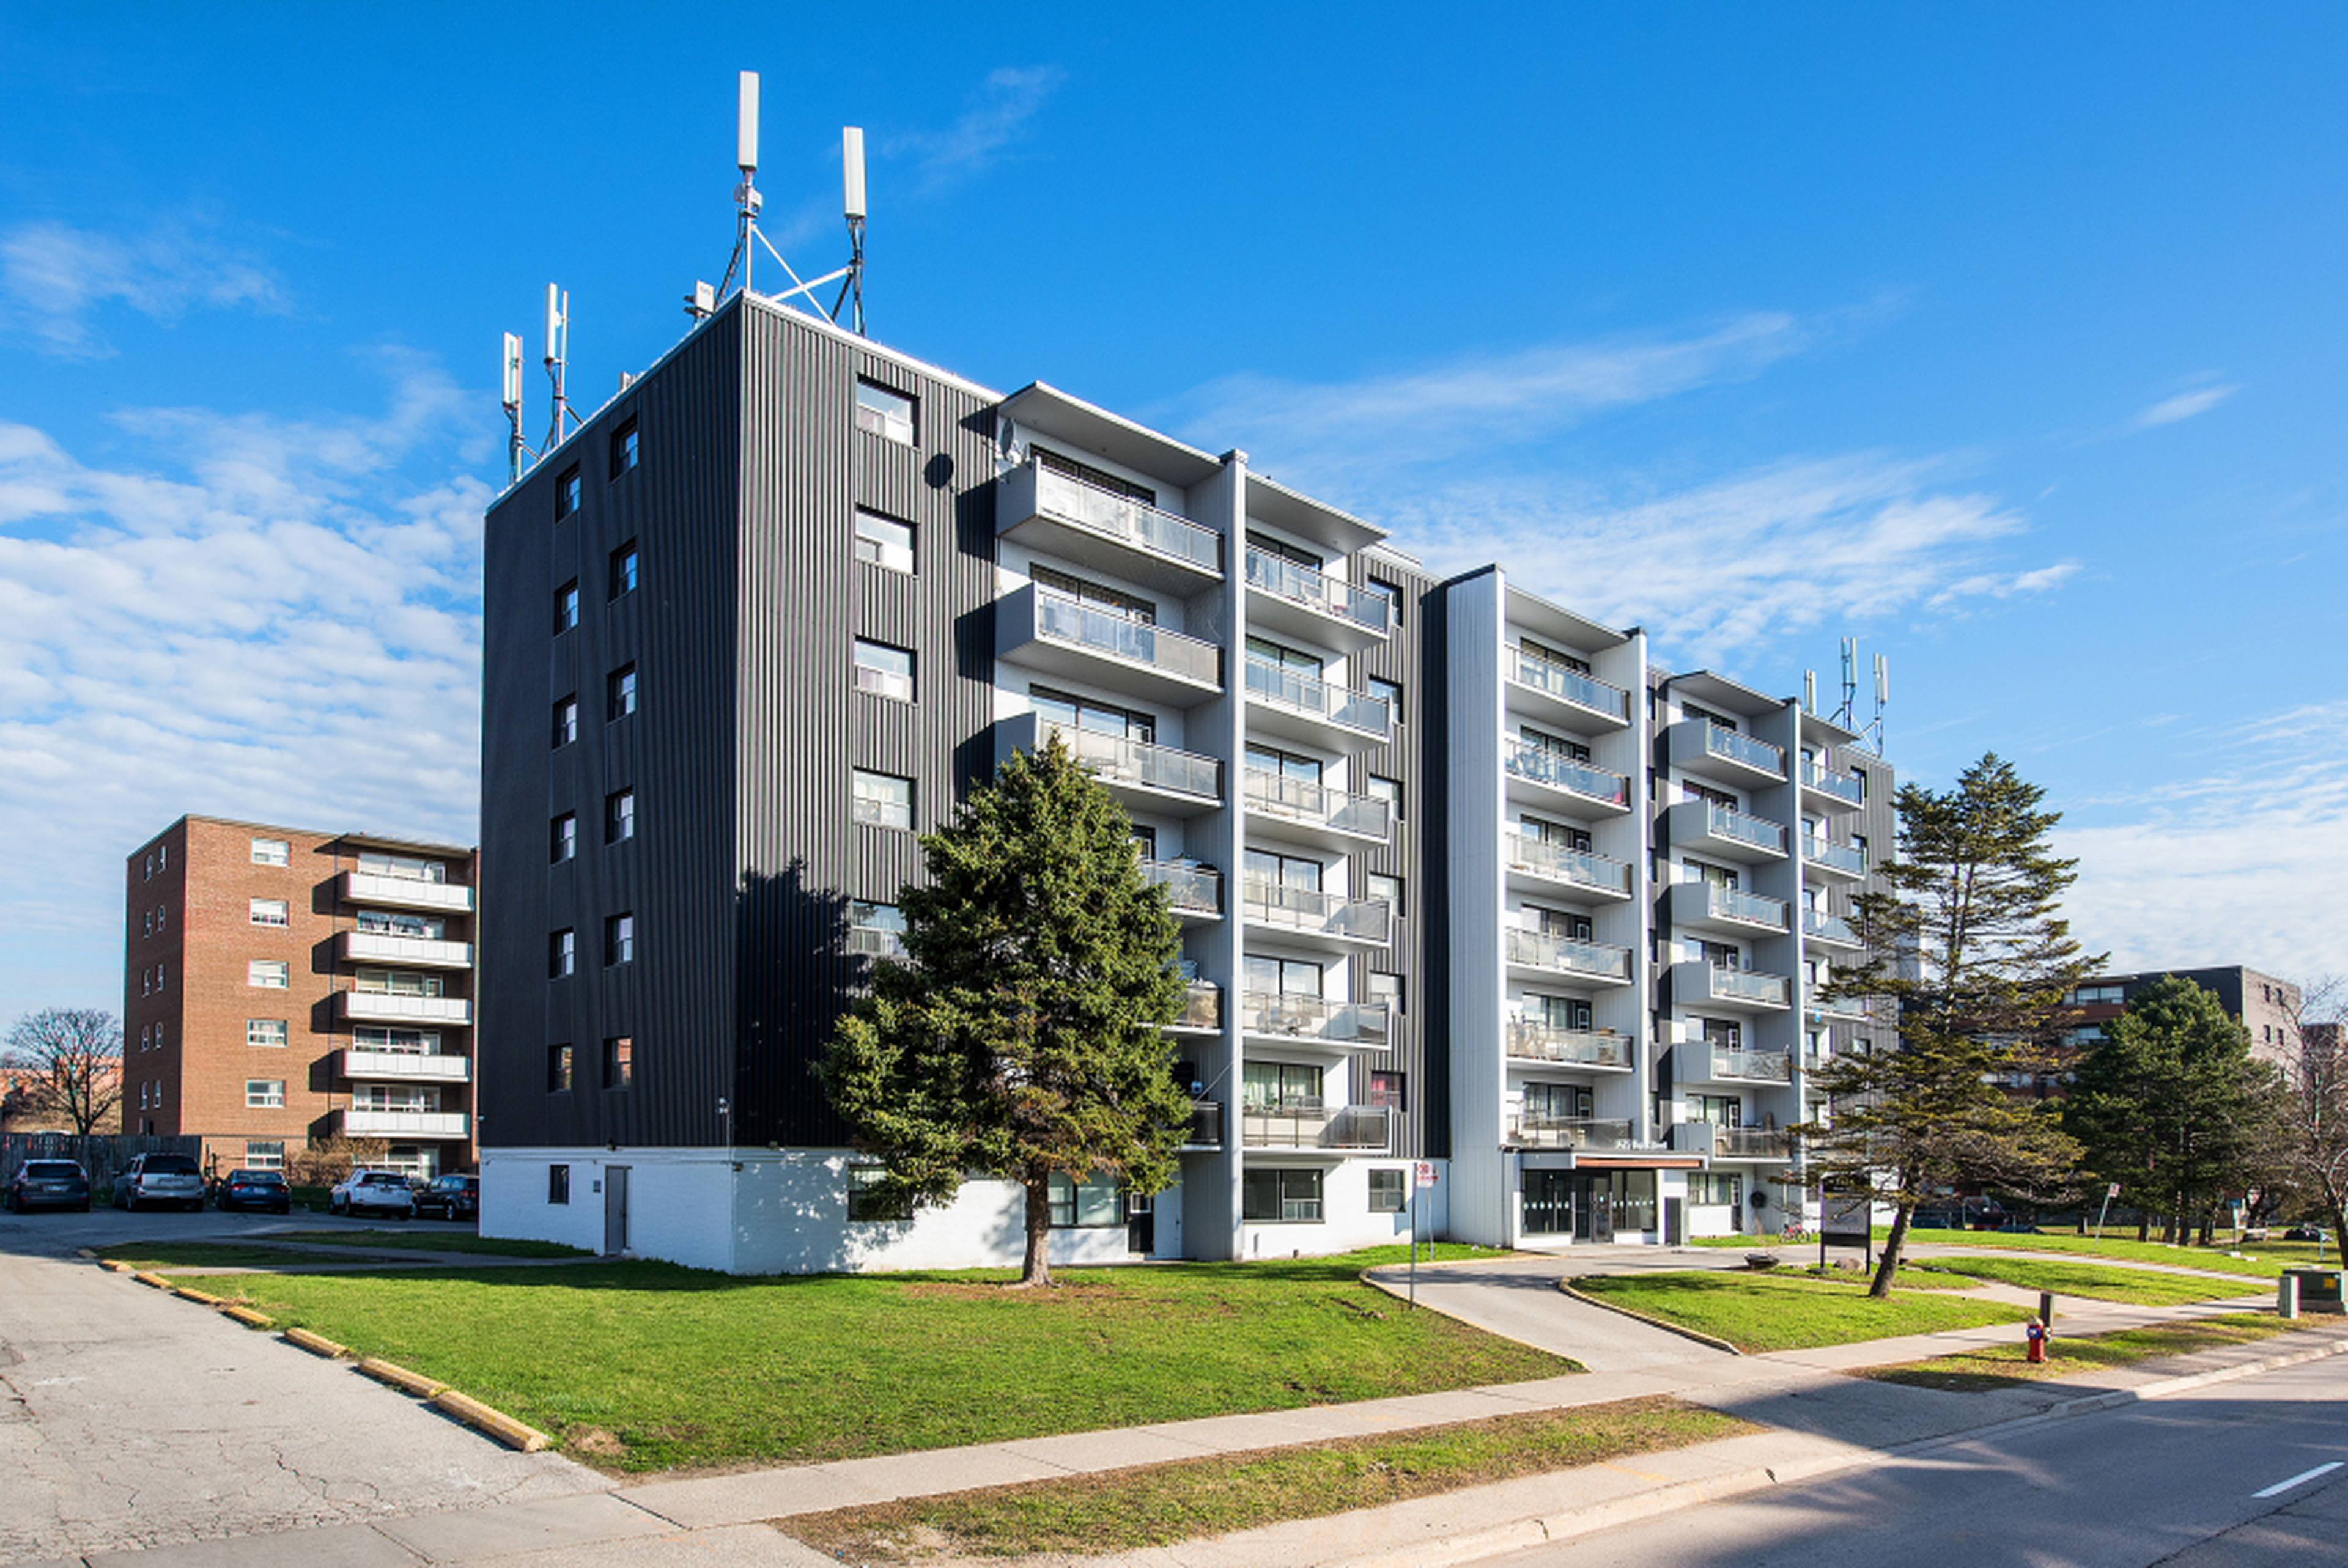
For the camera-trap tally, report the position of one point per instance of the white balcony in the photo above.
(1728, 756)
(1824, 790)
(405, 1067)
(405, 891)
(1538, 865)
(1559, 783)
(412, 952)
(1549, 690)
(1697, 982)
(875, 942)
(1143, 775)
(1529, 1039)
(1820, 929)
(382, 1007)
(1766, 1143)
(1536, 955)
(1707, 1063)
(1592, 1133)
(360, 1123)
(1196, 892)
(1062, 515)
(1833, 860)
(1314, 1021)
(1311, 1124)
(1292, 705)
(1287, 597)
(1044, 630)
(1717, 830)
(1203, 1009)
(1320, 919)
(1315, 813)
(1706, 907)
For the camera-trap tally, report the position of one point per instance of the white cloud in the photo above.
(54, 277)
(2185, 405)
(997, 118)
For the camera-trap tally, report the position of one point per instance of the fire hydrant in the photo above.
(2035, 1332)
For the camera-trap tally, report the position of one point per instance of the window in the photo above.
(398, 983)
(1388, 1194)
(261, 1155)
(1716, 1187)
(557, 1184)
(883, 800)
(264, 1093)
(272, 852)
(620, 816)
(566, 722)
(407, 1041)
(619, 940)
(162, 917)
(876, 930)
(1386, 989)
(562, 954)
(1281, 550)
(1387, 692)
(270, 1033)
(620, 1061)
(2088, 996)
(375, 862)
(883, 670)
(1091, 715)
(886, 413)
(1378, 885)
(147, 926)
(624, 447)
(267, 912)
(868, 1203)
(150, 868)
(563, 838)
(1099, 478)
(622, 578)
(1388, 791)
(620, 693)
(566, 607)
(566, 494)
(269, 974)
(1279, 1086)
(884, 541)
(1279, 656)
(1389, 1088)
(1392, 595)
(558, 1078)
(1098, 595)
(1280, 1197)
(1091, 1203)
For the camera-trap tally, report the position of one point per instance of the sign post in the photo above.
(1422, 1175)
(2109, 1194)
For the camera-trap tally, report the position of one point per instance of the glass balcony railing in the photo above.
(1738, 747)
(1726, 821)
(1532, 1040)
(876, 942)
(1202, 1007)
(1573, 685)
(1313, 1019)
(1558, 771)
(1756, 1066)
(1309, 910)
(1752, 1142)
(1191, 889)
(1310, 694)
(1754, 908)
(1828, 927)
(1061, 619)
(1844, 787)
(1311, 1124)
(1301, 584)
(1301, 800)
(1539, 857)
(1140, 762)
(1206, 1124)
(1835, 856)
(1568, 1132)
(1088, 507)
(1563, 954)
(1749, 986)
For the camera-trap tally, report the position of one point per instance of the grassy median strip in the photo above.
(2007, 1365)
(187, 1255)
(1158, 1505)
(2098, 1281)
(643, 1366)
(1764, 1312)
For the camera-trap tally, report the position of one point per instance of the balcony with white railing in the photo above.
(1719, 830)
(1314, 1021)
(1305, 913)
(392, 891)
(875, 942)
(1539, 861)
(1822, 930)
(1715, 752)
(1286, 596)
(1044, 629)
(390, 948)
(1824, 789)
(1315, 813)
(1313, 1124)
(389, 1007)
(1699, 982)
(1546, 955)
(362, 1121)
(1591, 1132)
(1558, 693)
(1529, 1039)
(1708, 906)
(1291, 703)
(1075, 520)
(1831, 859)
(1569, 782)
(1195, 891)
(1728, 1064)
(405, 1067)
(1142, 774)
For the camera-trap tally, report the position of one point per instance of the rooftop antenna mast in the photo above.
(746, 200)
(1882, 699)
(557, 362)
(1848, 715)
(750, 239)
(517, 446)
(852, 167)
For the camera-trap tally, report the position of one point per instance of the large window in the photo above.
(264, 1093)
(407, 1041)
(398, 983)
(271, 1033)
(400, 923)
(866, 1203)
(1091, 1203)
(1090, 715)
(269, 974)
(1280, 1197)
(1099, 478)
(883, 800)
(1713, 1187)
(1279, 1086)
(1386, 692)
(268, 912)
(1100, 595)
(888, 414)
(619, 940)
(272, 852)
(884, 671)
(884, 541)
(1389, 1191)
(1388, 889)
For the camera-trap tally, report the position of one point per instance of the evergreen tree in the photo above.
(1967, 942)
(1020, 1038)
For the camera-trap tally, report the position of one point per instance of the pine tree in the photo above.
(1021, 1035)
(1967, 942)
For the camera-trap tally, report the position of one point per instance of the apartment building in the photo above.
(284, 986)
(769, 614)
(2267, 1007)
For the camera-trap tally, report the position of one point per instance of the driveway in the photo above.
(129, 1418)
(1517, 1297)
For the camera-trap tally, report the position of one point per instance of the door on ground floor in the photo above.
(1549, 1203)
(615, 1209)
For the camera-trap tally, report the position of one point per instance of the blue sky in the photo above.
(2008, 340)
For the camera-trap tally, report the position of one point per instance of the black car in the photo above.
(263, 1190)
(450, 1198)
(49, 1184)
(2307, 1233)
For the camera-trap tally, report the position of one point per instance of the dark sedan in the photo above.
(49, 1184)
(450, 1198)
(264, 1191)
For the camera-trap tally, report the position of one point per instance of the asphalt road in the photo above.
(2175, 1481)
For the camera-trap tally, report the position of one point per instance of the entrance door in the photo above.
(1140, 1225)
(615, 1209)
(1601, 1209)
(1549, 1203)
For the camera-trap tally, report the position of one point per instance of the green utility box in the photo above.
(2319, 1289)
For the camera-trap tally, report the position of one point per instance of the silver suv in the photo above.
(160, 1179)
(373, 1192)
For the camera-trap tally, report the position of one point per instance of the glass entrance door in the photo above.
(1549, 1203)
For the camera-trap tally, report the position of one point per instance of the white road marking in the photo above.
(2305, 1475)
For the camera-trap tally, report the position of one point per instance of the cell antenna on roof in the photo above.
(1882, 699)
(517, 446)
(749, 238)
(557, 362)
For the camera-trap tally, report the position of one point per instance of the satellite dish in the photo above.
(747, 128)
(851, 160)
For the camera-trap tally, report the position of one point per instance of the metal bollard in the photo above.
(2287, 1296)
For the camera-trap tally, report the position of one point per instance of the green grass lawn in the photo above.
(643, 1367)
(2265, 1260)
(2099, 1281)
(1761, 1312)
(2005, 1366)
(1158, 1505)
(436, 1241)
(186, 1254)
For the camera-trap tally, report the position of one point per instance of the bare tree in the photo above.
(2314, 1103)
(76, 1054)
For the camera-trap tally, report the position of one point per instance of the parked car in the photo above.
(263, 1190)
(2307, 1233)
(450, 1198)
(49, 1184)
(373, 1192)
(160, 1179)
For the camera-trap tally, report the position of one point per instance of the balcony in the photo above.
(1823, 789)
(1699, 982)
(1044, 630)
(360, 1123)
(1729, 756)
(1718, 830)
(1707, 907)
(1594, 1132)
(1546, 955)
(1285, 595)
(384, 1007)
(1143, 775)
(1838, 1010)
(875, 942)
(1532, 1040)
(1300, 707)
(405, 891)
(405, 1067)
(1314, 1021)
(415, 952)
(1563, 780)
(1554, 691)
(1824, 930)
(1202, 1009)
(1064, 516)
(1549, 865)
(1310, 1124)
(1206, 1125)
(1316, 813)
(1727, 1064)
(1833, 859)
(1316, 917)
(1196, 892)
(1732, 1142)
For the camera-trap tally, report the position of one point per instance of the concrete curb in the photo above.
(152, 1281)
(487, 1418)
(1713, 1340)
(317, 1344)
(248, 1316)
(113, 1266)
(201, 1297)
(399, 1377)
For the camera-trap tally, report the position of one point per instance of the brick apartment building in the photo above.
(283, 987)
(2265, 1006)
